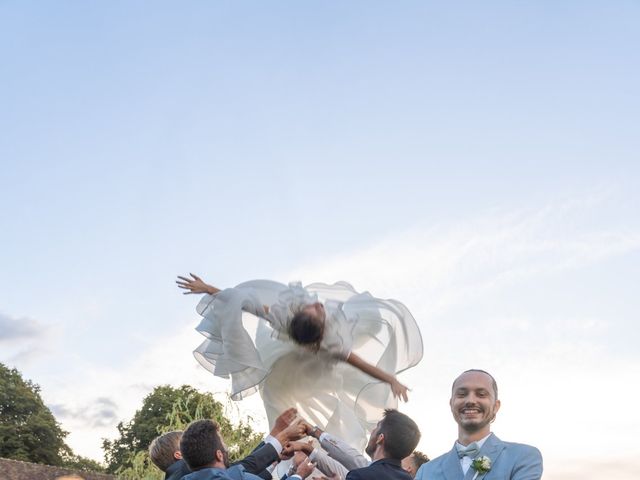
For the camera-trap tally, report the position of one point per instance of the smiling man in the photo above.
(478, 453)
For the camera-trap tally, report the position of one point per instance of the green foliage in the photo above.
(83, 464)
(140, 468)
(163, 410)
(28, 430)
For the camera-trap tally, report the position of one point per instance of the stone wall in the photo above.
(15, 470)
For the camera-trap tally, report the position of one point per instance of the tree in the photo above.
(164, 409)
(83, 464)
(28, 430)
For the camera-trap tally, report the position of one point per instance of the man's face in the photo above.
(373, 441)
(473, 402)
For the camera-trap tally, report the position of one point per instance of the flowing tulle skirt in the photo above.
(325, 389)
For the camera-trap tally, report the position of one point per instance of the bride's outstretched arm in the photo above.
(195, 285)
(398, 389)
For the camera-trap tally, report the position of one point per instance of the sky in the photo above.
(477, 161)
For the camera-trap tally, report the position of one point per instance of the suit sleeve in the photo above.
(327, 465)
(354, 475)
(529, 466)
(263, 456)
(343, 453)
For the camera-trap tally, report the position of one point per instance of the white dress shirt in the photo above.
(465, 462)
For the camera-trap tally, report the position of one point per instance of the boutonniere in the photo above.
(481, 464)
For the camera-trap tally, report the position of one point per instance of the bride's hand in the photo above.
(399, 390)
(194, 285)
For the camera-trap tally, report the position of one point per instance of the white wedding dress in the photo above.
(325, 389)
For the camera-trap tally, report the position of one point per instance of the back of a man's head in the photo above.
(401, 434)
(200, 442)
(162, 450)
(419, 459)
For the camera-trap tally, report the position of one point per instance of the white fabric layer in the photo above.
(326, 390)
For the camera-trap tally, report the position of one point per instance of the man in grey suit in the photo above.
(478, 453)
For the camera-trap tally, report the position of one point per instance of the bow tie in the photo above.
(470, 450)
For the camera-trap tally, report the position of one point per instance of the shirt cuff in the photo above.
(324, 436)
(273, 441)
(295, 475)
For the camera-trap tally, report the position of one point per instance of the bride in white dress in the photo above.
(327, 350)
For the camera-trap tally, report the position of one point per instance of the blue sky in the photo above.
(477, 161)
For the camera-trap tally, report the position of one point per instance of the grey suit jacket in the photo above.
(509, 461)
(327, 465)
(343, 452)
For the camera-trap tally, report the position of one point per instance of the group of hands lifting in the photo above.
(290, 430)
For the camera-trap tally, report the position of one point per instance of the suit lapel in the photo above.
(451, 466)
(491, 448)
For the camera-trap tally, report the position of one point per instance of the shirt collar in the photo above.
(480, 442)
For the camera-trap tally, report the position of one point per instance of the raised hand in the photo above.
(305, 468)
(300, 446)
(195, 285)
(295, 431)
(399, 390)
(308, 427)
(283, 421)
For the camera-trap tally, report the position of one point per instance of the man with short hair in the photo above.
(164, 452)
(479, 453)
(205, 453)
(393, 439)
(413, 462)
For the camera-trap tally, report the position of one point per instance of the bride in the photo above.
(327, 350)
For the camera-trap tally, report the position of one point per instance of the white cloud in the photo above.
(581, 468)
(20, 338)
(19, 328)
(100, 412)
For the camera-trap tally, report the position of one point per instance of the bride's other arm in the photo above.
(399, 390)
(195, 285)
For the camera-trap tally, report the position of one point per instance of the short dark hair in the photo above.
(163, 448)
(199, 444)
(401, 434)
(494, 384)
(419, 458)
(305, 329)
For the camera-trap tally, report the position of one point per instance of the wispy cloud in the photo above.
(456, 262)
(22, 339)
(14, 329)
(620, 468)
(98, 412)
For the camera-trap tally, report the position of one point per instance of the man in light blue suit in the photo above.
(478, 454)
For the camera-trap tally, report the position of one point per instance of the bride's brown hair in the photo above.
(306, 330)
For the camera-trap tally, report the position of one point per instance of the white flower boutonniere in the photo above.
(481, 464)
